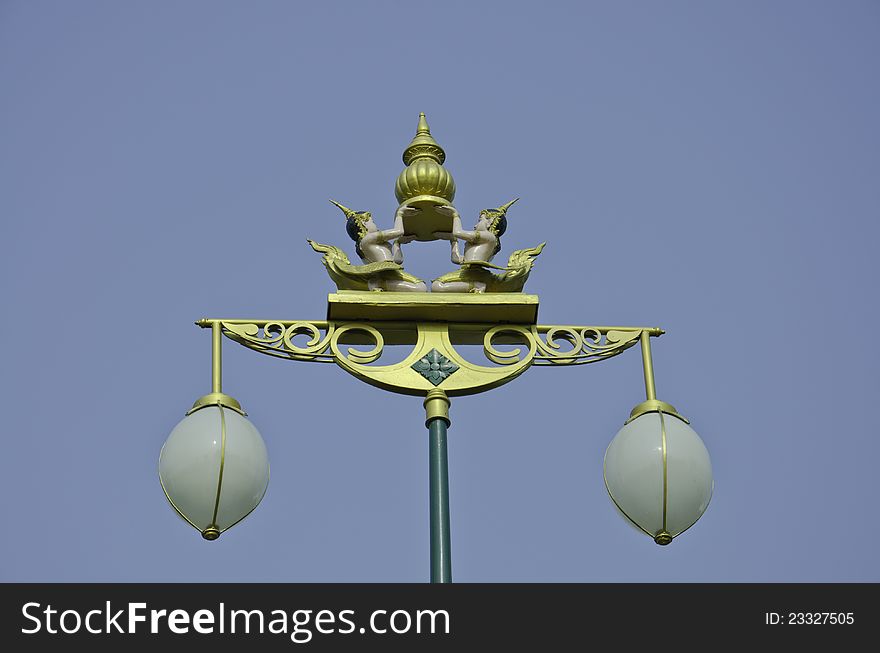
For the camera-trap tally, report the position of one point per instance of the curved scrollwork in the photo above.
(546, 345)
(513, 334)
(557, 345)
(323, 344)
(585, 344)
(513, 348)
(277, 339)
(355, 355)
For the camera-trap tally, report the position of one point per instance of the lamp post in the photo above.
(214, 470)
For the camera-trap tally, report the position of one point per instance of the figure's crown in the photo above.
(349, 213)
(502, 210)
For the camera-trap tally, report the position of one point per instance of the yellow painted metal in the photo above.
(436, 405)
(207, 322)
(482, 308)
(212, 532)
(216, 397)
(648, 365)
(401, 378)
(532, 345)
(655, 406)
(652, 404)
(663, 537)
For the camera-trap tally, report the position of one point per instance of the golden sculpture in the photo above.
(481, 245)
(425, 191)
(379, 250)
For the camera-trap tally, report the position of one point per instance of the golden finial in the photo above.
(425, 184)
(423, 145)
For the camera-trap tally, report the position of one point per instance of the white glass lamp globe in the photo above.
(214, 469)
(658, 474)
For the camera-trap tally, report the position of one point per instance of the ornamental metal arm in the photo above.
(579, 345)
(433, 359)
(276, 337)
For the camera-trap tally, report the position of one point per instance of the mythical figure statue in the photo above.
(382, 268)
(481, 245)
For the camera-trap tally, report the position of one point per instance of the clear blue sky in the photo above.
(708, 167)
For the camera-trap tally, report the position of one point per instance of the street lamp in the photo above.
(214, 469)
(654, 447)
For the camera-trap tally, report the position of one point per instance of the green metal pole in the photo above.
(437, 413)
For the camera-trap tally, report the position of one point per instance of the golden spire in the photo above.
(424, 183)
(423, 145)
